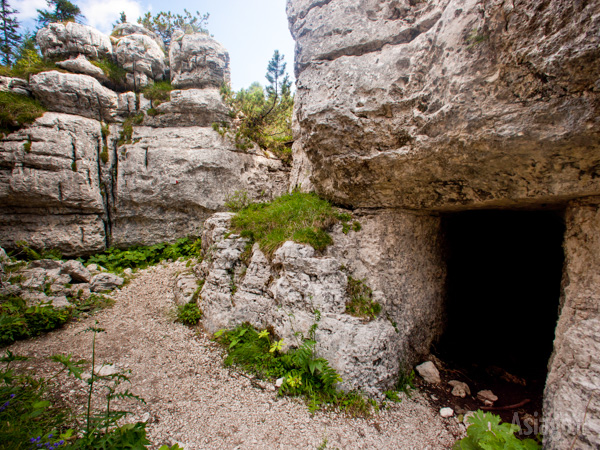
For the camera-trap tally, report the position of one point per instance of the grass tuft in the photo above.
(16, 111)
(158, 92)
(361, 302)
(299, 217)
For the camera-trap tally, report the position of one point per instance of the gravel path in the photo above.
(192, 399)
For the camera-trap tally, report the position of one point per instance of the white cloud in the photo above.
(28, 8)
(101, 14)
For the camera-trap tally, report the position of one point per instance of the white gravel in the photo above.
(193, 400)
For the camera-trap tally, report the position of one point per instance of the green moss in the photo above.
(126, 134)
(117, 76)
(105, 130)
(158, 92)
(152, 112)
(27, 146)
(74, 166)
(361, 302)
(298, 217)
(16, 111)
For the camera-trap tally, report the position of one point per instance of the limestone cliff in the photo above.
(112, 168)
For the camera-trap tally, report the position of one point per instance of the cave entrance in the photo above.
(503, 289)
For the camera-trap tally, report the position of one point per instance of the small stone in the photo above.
(429, 372)
(92, 267)
(446, 412)
(107, 370)
(459, 389)
(128, 271)
(48, 264)
(59, 302)
(105, 282)
(76, 271)
(279, 382)
(487, 397)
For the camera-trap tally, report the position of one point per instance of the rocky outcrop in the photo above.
(14, 85)
(140, 54)
(447, 104)
(198, 61)
(571, 403)
(75, 94)
(83, 66)
(169, 180)
(127, 29)
(59, 40)
(285, 293)
(191, 107)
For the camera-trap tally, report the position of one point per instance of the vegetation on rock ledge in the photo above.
(299, 217)
(17, 111)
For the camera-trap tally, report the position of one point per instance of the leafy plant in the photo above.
(16, 111)
(485, 432)
(189, 314)
(29, 254)
(361, 302)
(303, 373)
(126, 135)
(297, 217)
(140, 257)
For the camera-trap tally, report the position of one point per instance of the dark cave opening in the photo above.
(503, 288)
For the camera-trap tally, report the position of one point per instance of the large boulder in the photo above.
(191, 107)
(80, 64)
(74, 94)
(198, 61)
(140, 54)
(59, 40)
(169, 180)
(127, 29)
(447, 104)
(50, 193)
(14, 86)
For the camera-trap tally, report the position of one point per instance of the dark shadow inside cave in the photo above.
(503, 289)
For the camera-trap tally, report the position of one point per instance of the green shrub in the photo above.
(152, 112)
(17, 321)
(303, 373)
(158, 92)
(104, 154)
(126, 135)
(16, 111)
(361, 302)
(140, 257)
(485, 432)
(189, 314)
(237, 201)
(298, 217)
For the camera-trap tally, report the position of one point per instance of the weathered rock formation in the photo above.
(447, 104)
(87, 175)
(452, 105)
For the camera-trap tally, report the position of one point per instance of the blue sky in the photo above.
(250, 29)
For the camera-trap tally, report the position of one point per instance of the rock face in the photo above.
(52, 166)
(447, 104)
(58, 40)
(191, 107)
(14, 85)
(172, 179)
(571, 403)
(198, 61)
(75, 94)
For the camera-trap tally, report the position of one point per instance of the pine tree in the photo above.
(122, 19)
(60, 11)
(166, 23)
(9, 38)
(277, 77)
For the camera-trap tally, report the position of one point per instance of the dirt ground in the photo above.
(193, 400)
